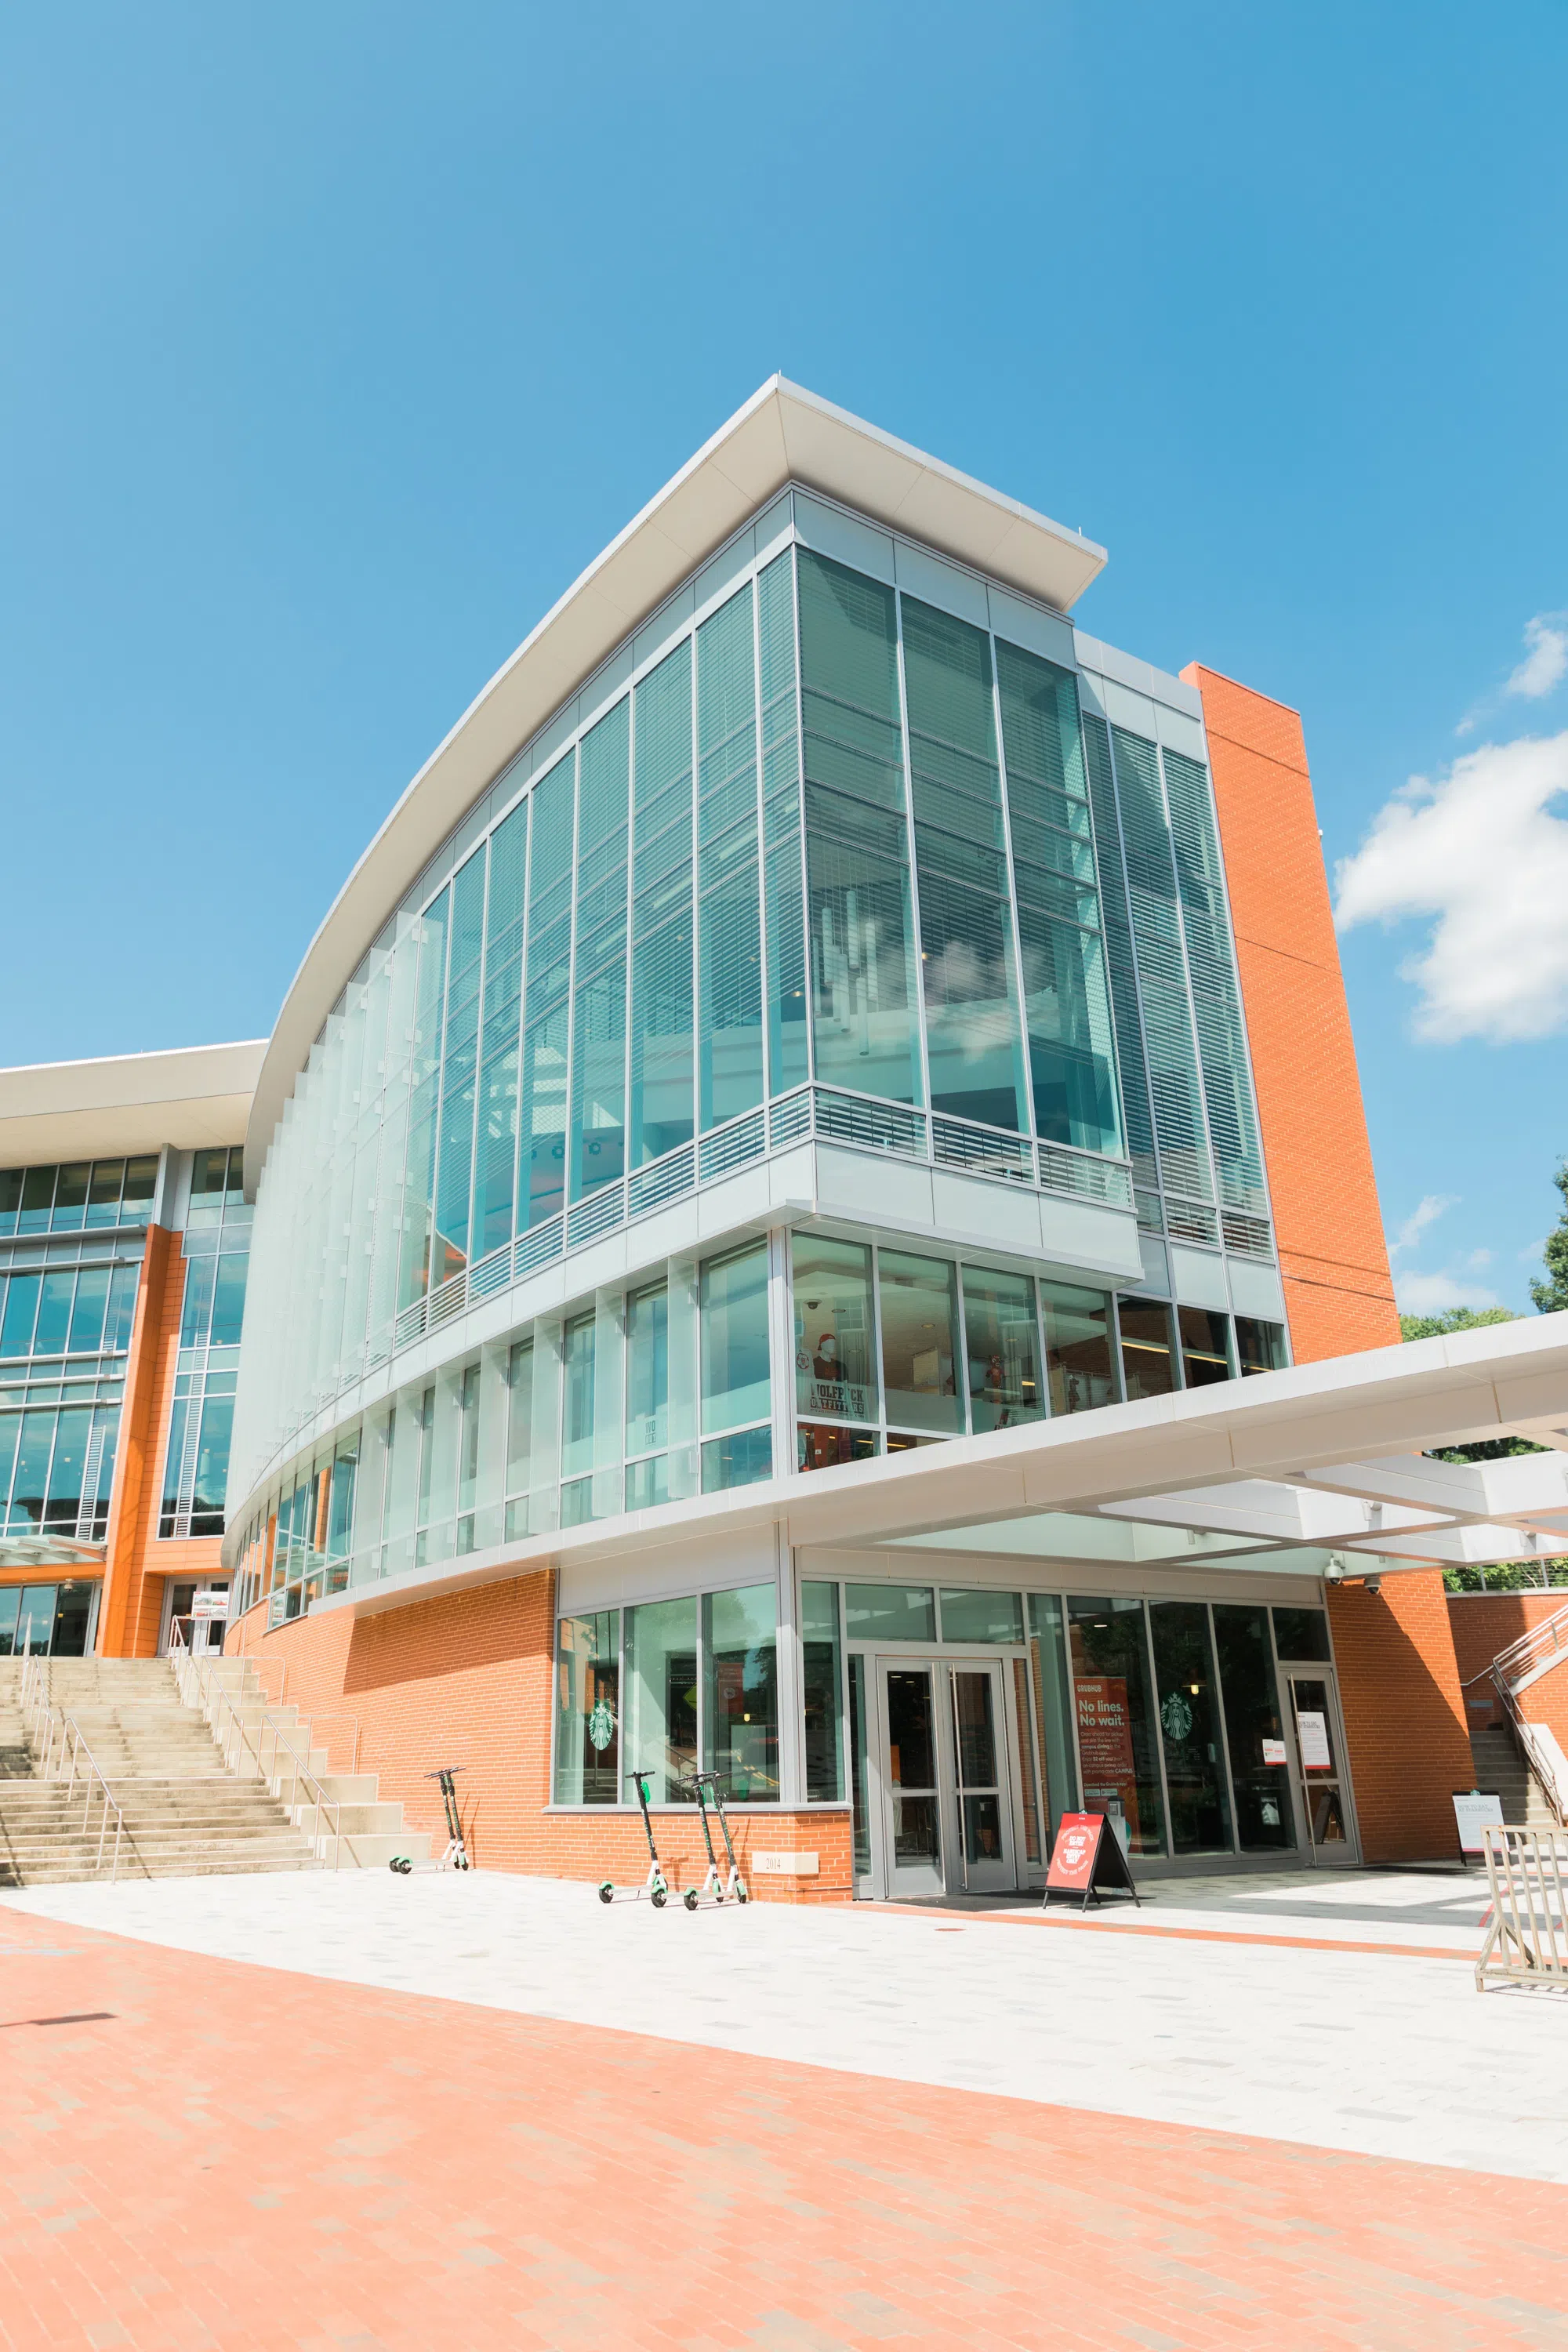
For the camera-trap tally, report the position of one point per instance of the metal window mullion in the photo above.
(919, 981)
(626, 953)
(1137, 973)
(1180, 913)
(1101, 931)
(1158, 1728)
(1223, 1731)
(575, 756)
(1240, 999)
(1026, 1125)
(481, 1038)
(765, 960)
(523, 1007)
(800, 809)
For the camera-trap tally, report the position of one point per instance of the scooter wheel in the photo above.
(656, 1898)
(607, 1892)
(741, 1896)
(394, 1865)
(689, 1898)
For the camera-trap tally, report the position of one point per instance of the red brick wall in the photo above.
(1405, 1715)
(1483, 1624)
(466, 1680)
(1332, 1258)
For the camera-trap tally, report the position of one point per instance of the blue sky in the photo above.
(339, 340)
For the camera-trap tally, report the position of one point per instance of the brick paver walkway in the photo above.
(196, 2153)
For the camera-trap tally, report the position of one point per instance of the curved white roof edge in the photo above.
(781, 434)
(123, 1103)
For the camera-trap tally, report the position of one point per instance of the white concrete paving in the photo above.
(1373, 2053)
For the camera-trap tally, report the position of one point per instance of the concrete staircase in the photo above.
(219, 1785)
(1499, 1769)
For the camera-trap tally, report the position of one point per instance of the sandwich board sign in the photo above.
(1088, 1860)
(1474, 1814)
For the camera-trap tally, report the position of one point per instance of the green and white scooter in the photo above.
(714, 1888)
(655, 1887)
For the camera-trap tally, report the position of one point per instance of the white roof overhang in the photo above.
(781, 434)
(198, 1095)
(1249, 1474)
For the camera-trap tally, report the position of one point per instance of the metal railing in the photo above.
(83, 1761)
(1534, 1753)
(1535, 1654)
(265, 1744)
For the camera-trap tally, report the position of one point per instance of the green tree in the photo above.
(1552, 1294)
(1457, 1318)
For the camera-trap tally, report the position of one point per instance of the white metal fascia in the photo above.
(116, 1105)
(1477, 1545)
(1276, 1509)
(781, 434)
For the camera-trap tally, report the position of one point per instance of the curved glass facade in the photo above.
(814, 857)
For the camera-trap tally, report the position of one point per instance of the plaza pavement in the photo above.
(367, 2112)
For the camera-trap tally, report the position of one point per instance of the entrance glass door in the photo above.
(1329, 1835)
(911, 1788)
(985, 1811)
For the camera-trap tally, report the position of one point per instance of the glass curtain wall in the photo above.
(217, 1255)
(725, 885)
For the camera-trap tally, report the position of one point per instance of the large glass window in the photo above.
(973, 1038)
(1148, 1357)
(920, 1335)
(661, 1697)
(863, 1023)
(823, 1687)
(588, 1710)
(597, 1147)
(541, 1110)
(1073, 1062)
(1261, 1347)
(1302, 1633)
(1190, 1728)
(890, 1612)
(1116, 1737)
(1254, 1731)
(734, 1322)
(648, 1371)
(1205, 1346)
(835, 1353)
(1051, 1683)
(1003, 1350)
(663, 1061)
(1080, 1348)
(995, 1618)
(741, 1709)
(729, 911)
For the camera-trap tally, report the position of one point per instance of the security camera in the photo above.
(1375, 1584)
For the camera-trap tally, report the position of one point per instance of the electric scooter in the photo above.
(712, 1887)
(734, 1887)
(456, 1854)
(655, 1887)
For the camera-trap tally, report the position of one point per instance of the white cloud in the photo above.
(1481, 853)
(1533, 1253)
(1426, 1212)
(1434, 1294)
(1546, 660)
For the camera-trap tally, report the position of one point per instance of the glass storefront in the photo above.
(1180, 1718)
(48, 1620)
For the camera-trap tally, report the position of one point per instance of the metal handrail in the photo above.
(1531, 1647)
(80, 1750)
(236, 1738)
(1534, 1759)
